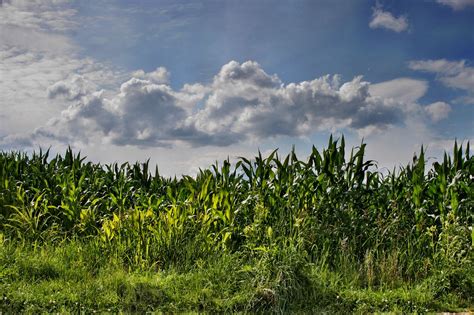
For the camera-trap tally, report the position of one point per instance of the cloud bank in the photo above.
(242, 103)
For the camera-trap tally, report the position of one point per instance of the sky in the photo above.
(186, 83)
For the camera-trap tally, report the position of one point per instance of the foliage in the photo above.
(280, 218)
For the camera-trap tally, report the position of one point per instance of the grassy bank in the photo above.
(269, 234)
(73, 278)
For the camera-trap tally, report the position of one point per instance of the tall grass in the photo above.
(342, 214)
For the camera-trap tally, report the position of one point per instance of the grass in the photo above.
(65, 279)
(328, 234)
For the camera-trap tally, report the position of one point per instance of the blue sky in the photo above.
(298, 40)
(415, 59)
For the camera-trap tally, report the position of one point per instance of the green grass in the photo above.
(66, 279)
(325, 234)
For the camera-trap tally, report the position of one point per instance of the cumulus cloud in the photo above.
(71, 89)
(246, 101)
(159, 76)
(385, 19)
(140, 113)
(457, 4)
(242, 103)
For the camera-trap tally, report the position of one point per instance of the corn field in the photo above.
(389, 228)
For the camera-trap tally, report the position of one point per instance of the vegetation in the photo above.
(268, 234)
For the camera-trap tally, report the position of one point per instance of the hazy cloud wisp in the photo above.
(385, 19)
(453, 74)
(457, 4)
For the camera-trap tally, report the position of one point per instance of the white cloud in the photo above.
(159, 76)
(71, 89)
(52, 97)
(37, 25)
(453, 74)
(245, 101)
(438, 110)
(384, 19)
(405, 90)
(457, 4)
(39, 15)
(468, 99)
(25, 76)
(441, 66)
(242, 104)
(35, 52)
(33, 40)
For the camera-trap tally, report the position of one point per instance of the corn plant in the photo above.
(331, 204)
